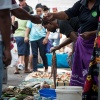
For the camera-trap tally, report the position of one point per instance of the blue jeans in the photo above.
(1, 67)
(23, 48)
(42, 49)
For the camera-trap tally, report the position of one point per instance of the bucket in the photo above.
(48, 93)
(69, 93)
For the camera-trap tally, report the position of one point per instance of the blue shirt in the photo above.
(37, 31)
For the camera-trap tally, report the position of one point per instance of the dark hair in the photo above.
(20, 0)
(39, 6)
(45, 8)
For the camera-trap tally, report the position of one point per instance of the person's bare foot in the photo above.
(31, 69)
(16, 72)
(45, 70)
(27, 71)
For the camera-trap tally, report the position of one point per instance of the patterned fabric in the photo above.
(91, 84)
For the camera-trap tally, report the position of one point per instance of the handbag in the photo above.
(48, 46)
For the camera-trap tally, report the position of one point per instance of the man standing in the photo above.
(22, 3)
(5, 27)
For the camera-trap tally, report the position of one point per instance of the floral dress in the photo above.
(91, 84)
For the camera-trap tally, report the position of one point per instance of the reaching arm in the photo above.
(22, 14)
(66, 42)
(5, 27)
(73, 36)
(63, 15)
(45, 41)
(60, 15)
(47, 35)
(87, 35)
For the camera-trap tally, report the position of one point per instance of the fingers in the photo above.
(82, 35)
(26, 40)
(6, 61)
(52, 49)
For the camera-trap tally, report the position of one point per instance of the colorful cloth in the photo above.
(91, 85)
(82, 57)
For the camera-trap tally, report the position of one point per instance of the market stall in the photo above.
(34, 82)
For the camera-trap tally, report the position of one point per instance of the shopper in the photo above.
(38, 38)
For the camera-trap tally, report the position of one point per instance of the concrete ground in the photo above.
(16, 79)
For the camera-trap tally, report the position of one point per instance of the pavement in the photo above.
(16, 79)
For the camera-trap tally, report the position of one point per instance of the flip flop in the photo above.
(27, 71)
(16, 72)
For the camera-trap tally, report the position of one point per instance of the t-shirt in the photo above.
(37, 31)
(66, 27)
(20, 32)
(88, 18)
(7, 4)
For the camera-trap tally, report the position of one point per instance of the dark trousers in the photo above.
(42, 49)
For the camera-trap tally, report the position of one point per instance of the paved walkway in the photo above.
(16, 79)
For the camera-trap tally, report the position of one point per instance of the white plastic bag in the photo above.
(14, 54)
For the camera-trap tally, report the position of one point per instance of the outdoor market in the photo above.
(49, 50)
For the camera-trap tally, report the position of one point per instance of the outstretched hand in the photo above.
(36, 19)
(7, 57)
(49, 17)
(54, 48)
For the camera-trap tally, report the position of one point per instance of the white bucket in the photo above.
(69, 93)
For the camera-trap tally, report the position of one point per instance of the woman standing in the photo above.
(88, 13)
(38, 38)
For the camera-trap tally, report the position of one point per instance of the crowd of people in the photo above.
(33, 32)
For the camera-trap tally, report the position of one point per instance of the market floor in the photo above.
(16, 79)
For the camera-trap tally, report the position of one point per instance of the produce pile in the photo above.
(32, 84)
(15, 93)
(63, 76)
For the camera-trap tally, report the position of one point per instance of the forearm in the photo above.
(47, 35)
(22, 14)
(60, 15)
(27, 32)
(13, 19)
(73, 36)
(5, 27)
(66, 42)
(93, 32)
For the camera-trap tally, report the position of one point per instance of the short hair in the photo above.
(39, 6)
(20, 0)
(45, 8)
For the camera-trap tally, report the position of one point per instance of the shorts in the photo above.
(23, 48)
